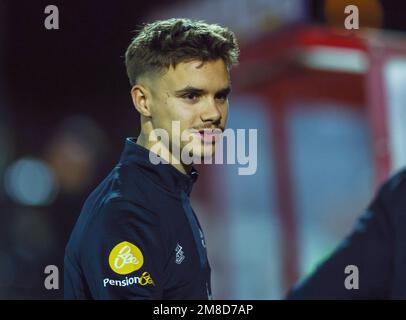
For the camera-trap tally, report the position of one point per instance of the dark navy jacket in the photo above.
(377, 247)
(137, 236)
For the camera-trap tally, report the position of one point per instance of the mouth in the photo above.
(209, 135)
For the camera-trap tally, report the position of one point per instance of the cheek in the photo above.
(186, 114)
(172, 110)
(166, 112)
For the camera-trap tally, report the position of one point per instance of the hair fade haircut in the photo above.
(166, 43)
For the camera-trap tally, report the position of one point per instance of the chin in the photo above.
(200, 151)
(206, 151)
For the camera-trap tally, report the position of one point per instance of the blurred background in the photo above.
(328, 104)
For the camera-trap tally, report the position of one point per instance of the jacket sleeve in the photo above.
(123, 253)
(370, 248)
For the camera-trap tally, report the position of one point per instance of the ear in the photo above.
(141, 99)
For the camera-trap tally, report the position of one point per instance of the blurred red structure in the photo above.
(277, 69)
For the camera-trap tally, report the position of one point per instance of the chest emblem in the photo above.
(180, 255)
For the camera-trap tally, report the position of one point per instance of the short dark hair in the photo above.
(166, 43)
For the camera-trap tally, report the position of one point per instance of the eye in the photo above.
(192, 96)
(222, 97)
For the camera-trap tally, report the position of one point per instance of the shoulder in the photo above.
(125, 189)
(131, 184)
(121, 212)
(394, 188)
(390, 200)
(119, 220)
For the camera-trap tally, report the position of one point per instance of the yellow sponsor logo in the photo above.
(146, 279)
(125, 258)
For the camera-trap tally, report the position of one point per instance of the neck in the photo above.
(143, 141)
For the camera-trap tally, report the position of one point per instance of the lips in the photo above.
(209, 135)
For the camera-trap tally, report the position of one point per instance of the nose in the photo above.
(211, 112)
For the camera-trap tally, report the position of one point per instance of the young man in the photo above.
(137, 236)
(370, 263)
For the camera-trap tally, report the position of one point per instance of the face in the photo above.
(194, 94)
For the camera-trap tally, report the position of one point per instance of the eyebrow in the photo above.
(189, 89)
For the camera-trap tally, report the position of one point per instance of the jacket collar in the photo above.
(164, 175)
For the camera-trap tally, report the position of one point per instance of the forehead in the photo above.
(209, 75)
